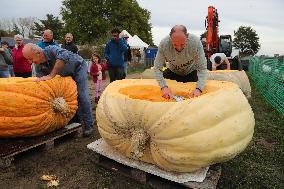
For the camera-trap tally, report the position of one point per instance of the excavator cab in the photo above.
(225, 45)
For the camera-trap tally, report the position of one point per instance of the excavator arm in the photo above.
(212, 42)
(212, 37)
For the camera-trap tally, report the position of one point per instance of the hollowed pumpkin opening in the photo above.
(154, 93)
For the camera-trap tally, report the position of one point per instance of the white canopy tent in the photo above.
(124, 32)
(137, 46)
(136, 43)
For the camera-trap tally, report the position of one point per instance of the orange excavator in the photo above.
(212, 42)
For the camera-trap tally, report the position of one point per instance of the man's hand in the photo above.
(106, 63)
(214, 66)
(59, 64)
(228, 63)
(2, 50)
(195, 93)
(167, 93)
(43, 78)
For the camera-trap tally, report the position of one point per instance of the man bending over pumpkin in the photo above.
(54, 60)
(186, 61)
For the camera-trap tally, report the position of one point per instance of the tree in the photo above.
(16, 29)
(53, 23)
(6, 27)
(7, 24)
(3, 33)
(21, 26)
(27, 25)
(91, 20)
(247, 40)
(22, 23)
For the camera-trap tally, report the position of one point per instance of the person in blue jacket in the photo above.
(47, 39)
(114, 54)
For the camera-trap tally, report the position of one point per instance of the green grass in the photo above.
(139, 68)
(261, 165)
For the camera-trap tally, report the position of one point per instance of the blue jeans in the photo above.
(11, 70)
(4, 73)
(84, 103)
(125, 67)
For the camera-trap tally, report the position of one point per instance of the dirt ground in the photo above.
(70, 161)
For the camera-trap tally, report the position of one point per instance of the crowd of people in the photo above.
(182, 51)
(47, 59)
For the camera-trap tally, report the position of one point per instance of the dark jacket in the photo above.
(70, 47)
(114, 52)
(127, 54)
(5, 59)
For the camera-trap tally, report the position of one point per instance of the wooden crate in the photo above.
(12, 146)
(156, 182)
(149, 174)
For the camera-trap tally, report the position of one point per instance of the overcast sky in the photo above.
(264, 16)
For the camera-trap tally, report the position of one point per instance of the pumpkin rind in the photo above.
(30, 108)
(176, 136)
(238, 77)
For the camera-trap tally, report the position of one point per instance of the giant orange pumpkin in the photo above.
(30, 108)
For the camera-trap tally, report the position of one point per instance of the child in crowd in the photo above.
(97, 71)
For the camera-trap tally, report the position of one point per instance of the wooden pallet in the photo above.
(156, 182)
(12, 146)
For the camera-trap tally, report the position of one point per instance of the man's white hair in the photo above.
(48, 31)
(18, 36)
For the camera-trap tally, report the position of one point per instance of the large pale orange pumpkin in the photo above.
(30, 108)
(238, 77)
(182, 136)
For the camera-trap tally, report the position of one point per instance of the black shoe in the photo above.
(88, 132)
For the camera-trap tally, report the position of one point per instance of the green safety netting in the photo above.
(268, 75)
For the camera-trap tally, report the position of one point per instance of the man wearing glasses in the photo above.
(114, 54)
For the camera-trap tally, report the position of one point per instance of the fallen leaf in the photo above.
(53, 183)
(48, 177)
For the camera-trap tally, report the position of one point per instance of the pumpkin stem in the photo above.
(139, 140)
(59, 105)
